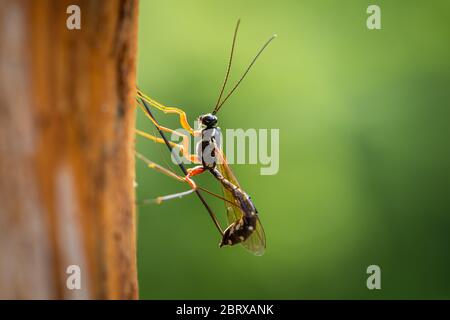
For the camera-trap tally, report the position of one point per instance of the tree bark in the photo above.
(66, 149)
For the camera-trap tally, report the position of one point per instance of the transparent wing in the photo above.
(256, 243)
(233, 212)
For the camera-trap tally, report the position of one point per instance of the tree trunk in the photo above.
(66, 150)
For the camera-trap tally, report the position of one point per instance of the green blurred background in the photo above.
(364, 155)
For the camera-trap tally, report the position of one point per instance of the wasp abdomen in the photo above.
(238, 231)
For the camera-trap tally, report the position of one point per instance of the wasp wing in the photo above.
(256, 242)
(233, 212)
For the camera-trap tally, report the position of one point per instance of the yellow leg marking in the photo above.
(183, 148)
(158, 125)
(156, 139)
(183, 118)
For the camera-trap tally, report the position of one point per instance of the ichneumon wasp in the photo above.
(244, 224)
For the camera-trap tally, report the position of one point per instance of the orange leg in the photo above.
(193, 172)
(188, 178)
(171, 174)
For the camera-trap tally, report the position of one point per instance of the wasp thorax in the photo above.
(208, 120)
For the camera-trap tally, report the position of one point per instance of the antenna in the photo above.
(245, 73)
(229, 64)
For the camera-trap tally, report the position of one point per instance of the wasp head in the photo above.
(208, 120)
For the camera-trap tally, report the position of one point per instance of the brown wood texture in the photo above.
(66, 149)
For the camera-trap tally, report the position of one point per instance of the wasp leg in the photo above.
(182, 115)
(191, 172)
(183, 148)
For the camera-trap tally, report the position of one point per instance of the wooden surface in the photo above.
(66, 149)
